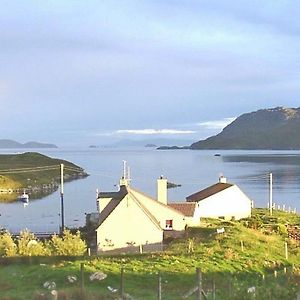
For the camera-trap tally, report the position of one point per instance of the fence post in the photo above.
(242, 246)
(159, 286)
(286, 250)
(199, 284)
(214, 289)
(82, 279)
(122, 284)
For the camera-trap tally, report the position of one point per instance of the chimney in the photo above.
(123, 181)
(162, 196)
(222, 179)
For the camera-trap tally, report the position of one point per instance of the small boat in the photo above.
(24, 198)
(217, 154)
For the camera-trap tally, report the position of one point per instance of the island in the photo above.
(11, 144)
(266, 129)
(34, 173)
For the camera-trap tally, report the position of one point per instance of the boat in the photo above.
(24, 198)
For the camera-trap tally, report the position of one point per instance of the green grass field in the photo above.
(224, 263)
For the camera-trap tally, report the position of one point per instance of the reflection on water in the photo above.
(284, 167)
(282, 159)
(33, 195)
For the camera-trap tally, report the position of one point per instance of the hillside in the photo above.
(273, 129)
(37, 173)
(250, 253)
(10, 144)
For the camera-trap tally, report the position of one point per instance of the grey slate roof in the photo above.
(117, 197)
(211, 190)
(187, 208)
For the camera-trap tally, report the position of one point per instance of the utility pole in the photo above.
(62, 213)
(271, 195)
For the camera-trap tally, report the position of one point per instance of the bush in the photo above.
(68, 245)
(29, 246)
(7, 245)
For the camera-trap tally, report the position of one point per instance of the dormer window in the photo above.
(169, 225)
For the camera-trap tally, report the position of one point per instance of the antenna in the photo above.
(124, 169)
(128, 174)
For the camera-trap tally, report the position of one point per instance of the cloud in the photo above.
(217, 124)
(148, 131)
(154, 131)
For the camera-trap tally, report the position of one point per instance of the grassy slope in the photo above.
(33, 178)
(220, 257)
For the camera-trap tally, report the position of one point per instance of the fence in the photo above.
(201, 286)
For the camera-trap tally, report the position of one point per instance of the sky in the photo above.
(92, 72)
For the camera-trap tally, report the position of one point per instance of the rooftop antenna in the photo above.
(124, 169)
(128, 174)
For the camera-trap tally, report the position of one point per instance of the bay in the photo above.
(194, 170)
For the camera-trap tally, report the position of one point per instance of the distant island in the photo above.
(35, 173)
(173, 148)
(271, 129)
(11, 144)
(151, 146)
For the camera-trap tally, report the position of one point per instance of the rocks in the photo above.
(111, 289)
(72, 278)
(98, 276)
(50, 285)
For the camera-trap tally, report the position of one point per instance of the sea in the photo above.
(193, 170)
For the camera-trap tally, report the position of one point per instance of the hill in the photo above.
(273, 129)
(11, 144)
(34, 172)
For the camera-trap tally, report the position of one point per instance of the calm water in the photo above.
(194, 170)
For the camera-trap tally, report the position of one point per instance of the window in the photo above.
(169, 224)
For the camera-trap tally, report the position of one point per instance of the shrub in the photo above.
(7, 245)
(28, 245)
(68, 245)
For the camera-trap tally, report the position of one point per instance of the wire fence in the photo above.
(279, 284)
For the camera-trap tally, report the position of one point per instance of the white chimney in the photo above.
(123, 181)
(222, 179)
(162, 195)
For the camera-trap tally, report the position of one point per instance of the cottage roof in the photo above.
(187, 208)
(117, 197)
(108, 194)
(211, 190)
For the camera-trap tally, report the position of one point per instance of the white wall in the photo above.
(102, 202)
(127, 223)
(231, 202)
(162, 212)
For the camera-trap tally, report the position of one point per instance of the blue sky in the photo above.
(90, 72)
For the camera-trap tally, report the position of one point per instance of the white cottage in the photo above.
(130, 218)
(221, 200)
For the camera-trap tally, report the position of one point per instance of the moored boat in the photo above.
(24, 198)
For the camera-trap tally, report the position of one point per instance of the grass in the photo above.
(33, 179)
(220, 258)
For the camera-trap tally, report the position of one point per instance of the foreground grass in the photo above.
(221, 258)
